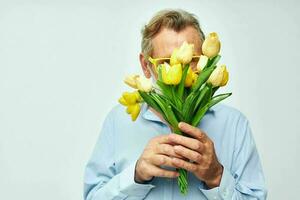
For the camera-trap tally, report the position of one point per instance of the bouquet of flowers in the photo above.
(180, 93)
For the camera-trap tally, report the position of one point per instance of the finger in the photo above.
(184, 164)
(162, 160)
(190, 143)
(188, 153)
(162, 139)
(159, 172)
(167, 149)
(193, 131)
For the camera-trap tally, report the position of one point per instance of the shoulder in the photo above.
(226, 112)
(116, 113)
(225, 119)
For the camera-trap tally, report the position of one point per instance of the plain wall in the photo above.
(61, 69)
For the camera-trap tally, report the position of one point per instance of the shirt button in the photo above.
(225, 192)
(215, 198)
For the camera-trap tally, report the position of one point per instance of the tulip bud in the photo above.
(134, 111)
(130, 98)
(131, 81)
(143, 84)
(219, 76)
(122, 101)
(191, 77)
(171, 75)
(173, 59)
(202, 63)
(185, 53)
(211, 45)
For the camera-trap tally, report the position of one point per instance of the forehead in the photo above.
(167, 39)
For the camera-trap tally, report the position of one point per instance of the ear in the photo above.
(144, 65)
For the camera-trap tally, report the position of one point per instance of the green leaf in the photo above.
(181, 84)
(164, 107)
(202, 98)
(213, 61)
(201, 111)
(159, 73)
(178, 115)
(214, 89)
(172, 119)
(208, 69)
(177, 101)
(167, 110)
(149, 100)
(203, 77)
(165, 89)
(188, 105)
(176, 110)
(218, 98)
(206, 96)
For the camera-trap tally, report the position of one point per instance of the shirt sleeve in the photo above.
(245, 179)
(101, 180)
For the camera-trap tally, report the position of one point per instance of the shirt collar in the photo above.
(148, 114)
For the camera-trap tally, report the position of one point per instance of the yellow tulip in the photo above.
(134, 111)
(173, 59)
(185, 53)
(132, 101)
(139, 82)
(171, 75)
(191, 77)
(130, 98)
(131, 81)
(143, 84)
(225, 78)
(201, 63)
(123, 101)
(211, 45)
(219, 76)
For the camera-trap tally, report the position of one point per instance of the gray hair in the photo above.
(172, 19)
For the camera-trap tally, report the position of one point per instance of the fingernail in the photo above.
(180, 124)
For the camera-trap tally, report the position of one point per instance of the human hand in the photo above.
(199, 149)
(158, 152)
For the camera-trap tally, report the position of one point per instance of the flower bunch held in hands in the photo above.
(181, 93)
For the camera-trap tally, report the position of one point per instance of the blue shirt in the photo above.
(109, 173)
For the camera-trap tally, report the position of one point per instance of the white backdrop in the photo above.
(61, 70)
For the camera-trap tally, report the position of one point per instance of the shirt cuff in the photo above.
(224, 191)
(129, 187)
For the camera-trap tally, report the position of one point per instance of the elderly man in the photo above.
(136, 160)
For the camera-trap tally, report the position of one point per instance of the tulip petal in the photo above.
(130, 98)
(122, 101)
(211, 45)
(131, 81)
(144, 84)
(135, 111)
(173, 59)
(185, 53)
(202, 63)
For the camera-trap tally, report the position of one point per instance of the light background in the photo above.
(61, 70)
